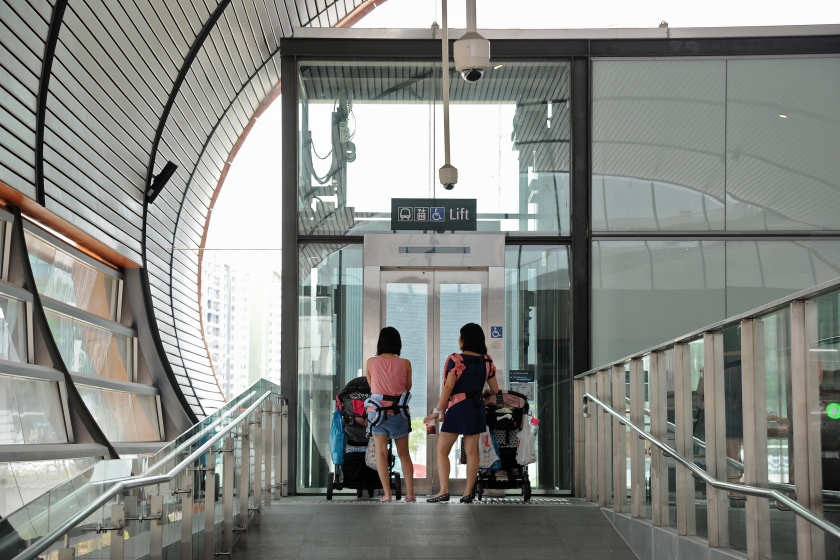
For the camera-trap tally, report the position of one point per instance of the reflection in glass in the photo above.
(658, 141)
(698, 432)
(734, 411)
(667, 287)
(671, 416)
(64, 278)
(407, 310)
(115, 413)
(329, 348)
(30, 411)
(12, 329)
(539, 339)
(782, 138)
(647, 509)
(92, 350)
(514, 161)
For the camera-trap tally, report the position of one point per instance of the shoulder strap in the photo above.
(491, 367)
(457, 368)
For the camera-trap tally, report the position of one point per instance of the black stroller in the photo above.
(505, 413)
(354, 473)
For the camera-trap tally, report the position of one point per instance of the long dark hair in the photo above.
(389, 342)
(472, 336)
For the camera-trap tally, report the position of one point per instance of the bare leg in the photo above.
(407, 465)
(471, 448)
(382, 463)
(444, 446)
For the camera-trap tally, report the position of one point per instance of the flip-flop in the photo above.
(410, 499)
(384, 500)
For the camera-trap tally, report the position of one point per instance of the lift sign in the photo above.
(432, 214)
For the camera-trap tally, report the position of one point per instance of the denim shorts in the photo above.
(395, 426)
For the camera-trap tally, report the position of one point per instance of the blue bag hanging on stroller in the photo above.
(338, 439)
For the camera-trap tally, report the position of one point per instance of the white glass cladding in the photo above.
(658, 143)
(123, 416)
(716, 145)
(30, 411)
(667, 288)
(91, 350)
(12, 330)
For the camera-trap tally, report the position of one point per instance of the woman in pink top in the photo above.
(388, 374)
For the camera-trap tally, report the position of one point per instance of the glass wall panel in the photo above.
(115, 413)
(30, 411)
(12, 329)
(782, 141)
(758, 272)
(658, 142)
(671, 415)
(661, 288)
(329, 348)
(698, 432)
(92, 350)
(68, 280)
(537, 307)
(647, 509)
(734, 411)
(510, 143)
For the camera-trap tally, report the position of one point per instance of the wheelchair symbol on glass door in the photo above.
(496, 332)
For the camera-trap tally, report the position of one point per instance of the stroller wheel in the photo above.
(370, 492)
(397, 486)
(526, 491)
(359, 492)
(330, 479)
(479, 490)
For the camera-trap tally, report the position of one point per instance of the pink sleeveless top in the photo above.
(388, 377)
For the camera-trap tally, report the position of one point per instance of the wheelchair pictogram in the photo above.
(438, 213)
(496, 332)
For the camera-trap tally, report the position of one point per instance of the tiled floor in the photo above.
(297, 529)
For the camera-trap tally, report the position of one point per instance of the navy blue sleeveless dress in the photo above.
(465, 417)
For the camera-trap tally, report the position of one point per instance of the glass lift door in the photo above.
(428, 308)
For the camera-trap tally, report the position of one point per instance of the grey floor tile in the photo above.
(268, 553)
(505, 539)
(427, 538)
(457, 551)
(525, 552)
(595, 531)
(343, 552)
(602, 554)
(346, 526)
(613, 540)
(578, 521)
(515, 530)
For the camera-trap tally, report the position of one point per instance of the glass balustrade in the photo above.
(736, 400)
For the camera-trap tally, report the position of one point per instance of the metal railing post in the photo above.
(277, 485)
(244, 484)
(684, 439)
(227, 494)
(591, 438)
(258, 464)
(209, 505)
(267, 431)
(156, 521)
(618, 387)
(116, 532)
(660, 511)
(604, 442)
(637, 446)
(285, 482)
(579, 442)
(807, 452)
(185, 491)
(66, 554)
(715, 418)
(754, 396)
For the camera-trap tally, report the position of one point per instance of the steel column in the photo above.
(684, 438)
(244, 484)
(579, 441)
(715, 416)
(258, 464)
(116, 532)
(619, 438)
(209, 505)
(267, 420)
(754, 396)
(186, 493)
(637, 446)
(660, 511)
(604, 442)
(807, 455)
(591, 438)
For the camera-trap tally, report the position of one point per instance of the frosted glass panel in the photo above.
(115, 413)
(648, 292)
(69, 280)
(782, 144)
(12, 329)
(30, 411)
(658, 141)
(459, 304)
(92, 350)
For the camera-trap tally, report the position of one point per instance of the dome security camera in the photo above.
(472, 56)
(448, 176)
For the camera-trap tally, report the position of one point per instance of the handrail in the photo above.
(793, 505)
(45, 542)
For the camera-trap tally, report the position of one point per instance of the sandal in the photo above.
(410, 499)
(467, 499)
(384, 500)
(437, 499)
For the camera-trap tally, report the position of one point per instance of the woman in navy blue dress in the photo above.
(461, 406)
